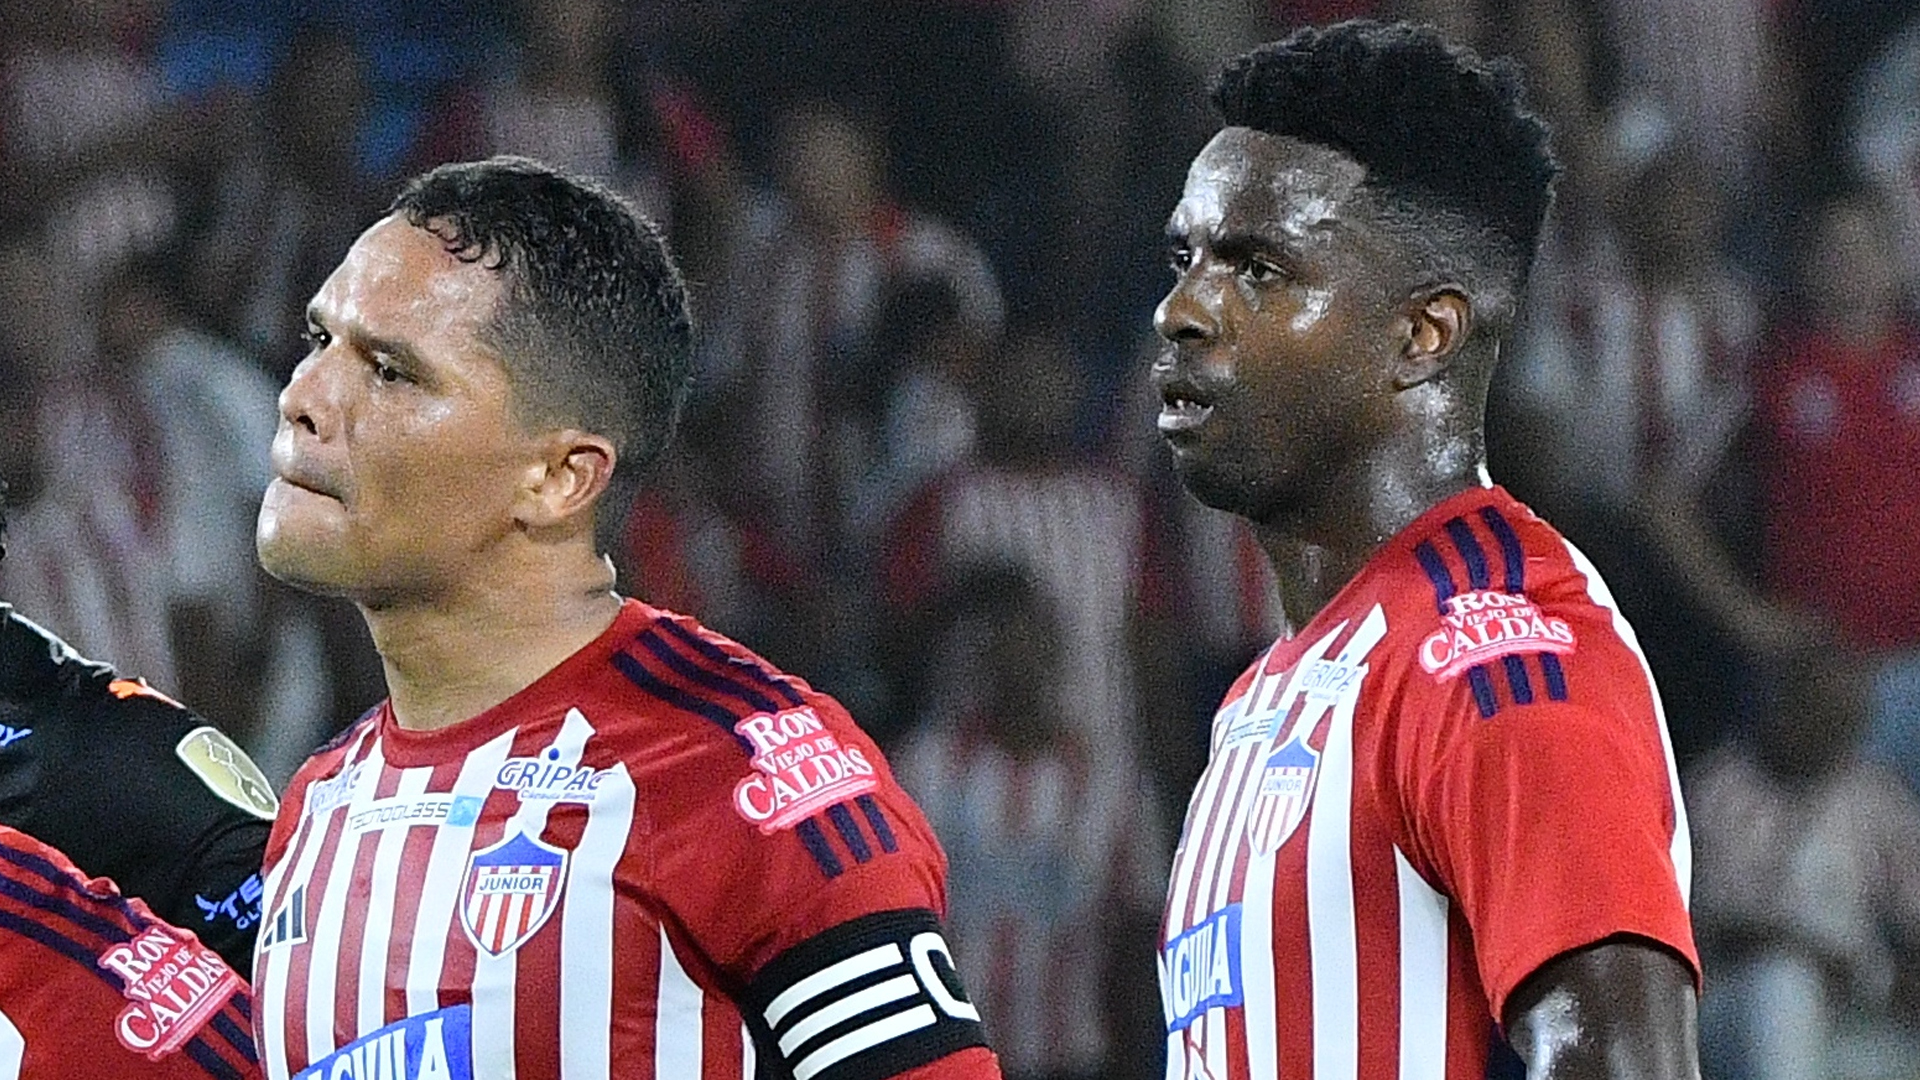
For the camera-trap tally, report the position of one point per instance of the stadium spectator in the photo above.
(1807, 891)
(1056, 870)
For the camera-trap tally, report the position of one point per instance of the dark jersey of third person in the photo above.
(132, 786)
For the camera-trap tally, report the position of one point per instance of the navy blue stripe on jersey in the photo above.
(749, 670)
(1470, 553)
(1510, 552)
(1556, 677)
(680, 699)
(58, 942)
(216, 1066)
(62, 881)
(1437, 572)
(704, 677)
(244, 1006)
(849, 831)
(877, 821)
(816, 844)
(237, 1037)
(1517, 680)
(1482, 684)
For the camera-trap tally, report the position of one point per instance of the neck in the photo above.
(1317, 550)
(451, 658)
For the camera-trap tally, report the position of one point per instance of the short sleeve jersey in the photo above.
(93, 986)
(664, 858)
(132, 786)
(1455, 772)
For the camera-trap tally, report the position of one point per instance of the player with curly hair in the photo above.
(1446, 799)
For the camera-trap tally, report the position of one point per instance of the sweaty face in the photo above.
(396, 458)
(1278, 332)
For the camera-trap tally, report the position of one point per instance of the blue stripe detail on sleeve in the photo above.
(1555, 675)
(244, 1006)
(58, 942)
(1482, 685)
(678, 698)
(205, 1056)
(877, 821)
(849, 831)
(1517, 679)
(703, 677)
(816, 844)
(113, 932)
(769, 680)
(1470, 552)
(1510, 552)
(1437, 572)
(237, 1037)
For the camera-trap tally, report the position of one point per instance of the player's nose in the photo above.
(309, 401)
(1184, 316)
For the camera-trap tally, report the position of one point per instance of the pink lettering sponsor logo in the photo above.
(1485, 625)
(799, 768)
(173, 986)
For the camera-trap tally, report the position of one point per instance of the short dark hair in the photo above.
(1463, 168)
(594, 324)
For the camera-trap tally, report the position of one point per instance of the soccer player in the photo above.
(132, 786)
(1446, 799)
(94, 987)
(583, 837)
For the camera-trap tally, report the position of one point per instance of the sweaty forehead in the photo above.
(1247, 181)
(398, 279)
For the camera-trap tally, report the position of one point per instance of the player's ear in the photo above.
(569, 475)
(1433, 326)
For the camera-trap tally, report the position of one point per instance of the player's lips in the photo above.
(304, 480)
(1184, 406)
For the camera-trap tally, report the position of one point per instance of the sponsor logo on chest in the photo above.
(431, 1046)
(1200, 969)
(173, 985)
(333, 792)
(547, 779)
(511, 889)
(800, 768)
(1485, 625)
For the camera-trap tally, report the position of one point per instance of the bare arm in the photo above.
(1620, 1010)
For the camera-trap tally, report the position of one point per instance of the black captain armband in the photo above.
(863, 1001)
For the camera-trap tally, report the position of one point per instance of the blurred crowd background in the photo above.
(920, 467)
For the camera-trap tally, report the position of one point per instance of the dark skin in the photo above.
(1317, 386)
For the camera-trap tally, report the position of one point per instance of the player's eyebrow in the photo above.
(391, 348)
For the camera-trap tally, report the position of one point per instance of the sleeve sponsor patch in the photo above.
(1484, 625)
(799, 768)
(227, 771)
(173, 986)
(863, 1001)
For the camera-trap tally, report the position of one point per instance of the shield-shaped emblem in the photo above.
(511, 889)
(1286, 789)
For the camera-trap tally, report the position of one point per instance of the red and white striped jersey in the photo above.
(1457, 771)
(663, 859)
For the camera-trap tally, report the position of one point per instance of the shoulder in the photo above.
(674, 666)
(1492, 605)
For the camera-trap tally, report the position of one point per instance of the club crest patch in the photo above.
(511, 889)
(1286, 790)
(1485, 625)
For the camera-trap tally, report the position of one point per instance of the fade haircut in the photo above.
(593, 323)
(1459, 170)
